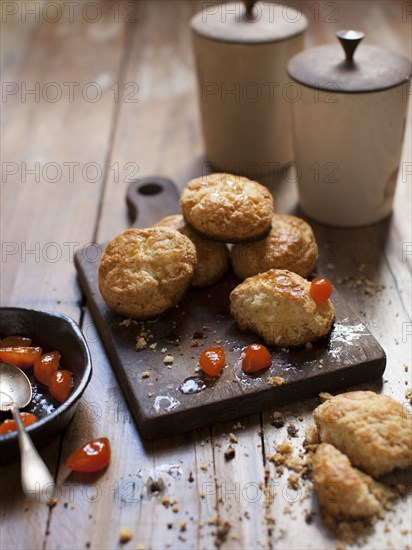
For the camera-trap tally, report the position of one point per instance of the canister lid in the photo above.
(370, 69)
(249, 22)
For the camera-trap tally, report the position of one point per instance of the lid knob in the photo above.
(350, 40)
(249, 5)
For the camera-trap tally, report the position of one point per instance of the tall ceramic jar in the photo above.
(241, 51)
(348, 126)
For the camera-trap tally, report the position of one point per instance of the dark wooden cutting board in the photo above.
(349, 355)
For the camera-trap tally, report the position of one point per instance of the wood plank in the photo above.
(51, 211)
(159, 134)
(42, 215)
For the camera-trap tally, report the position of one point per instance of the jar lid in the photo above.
(372, 69)
(249, 22)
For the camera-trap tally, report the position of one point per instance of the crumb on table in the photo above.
(230, 453)
(125, 535)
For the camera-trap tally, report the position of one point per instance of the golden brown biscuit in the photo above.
(290, 245)
(278, 306)
(227, 208)
(144, 272)
(373, 430)
(212, 257)
(343, 491)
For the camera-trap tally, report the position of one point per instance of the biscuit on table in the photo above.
(227, 208)
(373, 430)
(144, 272)
(343, 491)
(277, 306)
(212, 256)
(290, 245)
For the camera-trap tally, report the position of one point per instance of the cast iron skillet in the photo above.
(50, 331)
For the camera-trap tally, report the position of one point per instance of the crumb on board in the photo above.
(141, 343)
(183, 526)
(233, 438)
(203, 467)
(163, 350)
(146, 374)
(153, 346)
(321, 363)
(408, 395)
(275, 381)
(127, 323)
(168, 359)
(360, 280)
(125, 535)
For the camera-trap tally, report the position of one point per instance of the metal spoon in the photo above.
(16, 393)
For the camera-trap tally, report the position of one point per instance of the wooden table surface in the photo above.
(114, 99)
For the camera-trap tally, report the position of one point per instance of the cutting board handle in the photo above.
(151, 199)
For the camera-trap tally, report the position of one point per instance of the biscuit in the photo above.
(144, 272)
(278, 306)
(373, 430)
(227, 208)
(290, 245)
(343, 491)
(212, 257)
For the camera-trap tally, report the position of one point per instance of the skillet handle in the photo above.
(151, 199)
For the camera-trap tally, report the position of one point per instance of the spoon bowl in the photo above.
(15, 388)
(16, 393)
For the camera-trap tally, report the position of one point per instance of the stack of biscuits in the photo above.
(144, 272)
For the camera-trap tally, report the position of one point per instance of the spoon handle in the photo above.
(35, 476)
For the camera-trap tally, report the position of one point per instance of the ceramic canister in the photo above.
(241, 51)
(348, 127)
